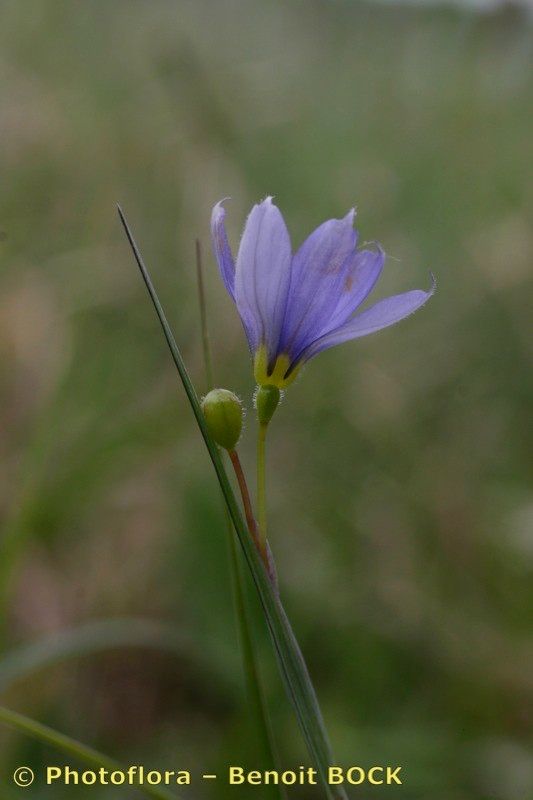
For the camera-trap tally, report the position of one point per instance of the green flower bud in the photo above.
(266, 401)
(224, 414)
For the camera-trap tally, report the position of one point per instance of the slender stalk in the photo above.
(261, 487)
(72, 747)
(251, 671)
(290, 660)
(206, 344)
(245, 494)
(249, 659)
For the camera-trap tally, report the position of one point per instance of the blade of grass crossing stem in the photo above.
(74, 748)
(255, 689)
(88, 639)
(292, 665)
(249, 659)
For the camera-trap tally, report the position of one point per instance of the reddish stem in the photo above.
(247, 504)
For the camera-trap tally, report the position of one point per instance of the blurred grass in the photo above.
(401, 493)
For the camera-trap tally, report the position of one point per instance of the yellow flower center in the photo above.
(276, 377)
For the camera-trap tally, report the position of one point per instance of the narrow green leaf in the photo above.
(292, 665)
(88, 639)
(249, 659)
(86, 754)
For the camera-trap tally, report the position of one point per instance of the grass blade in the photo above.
(87, 755)
(292, 665)
(88, 639)
(254, 686)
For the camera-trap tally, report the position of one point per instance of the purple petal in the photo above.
(319, 269)
(363, 271)
(381, 315)
(262, 276)
(222, 249)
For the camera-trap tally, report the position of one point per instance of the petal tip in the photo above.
(264, 206)
(218, 209)
(350, 216)
(379, 247)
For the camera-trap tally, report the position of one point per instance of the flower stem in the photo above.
(246, 501)
(291, 662)
(206, 344)
(261, 488)
(249, 658)
(253, 680)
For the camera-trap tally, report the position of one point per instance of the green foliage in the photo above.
(399, 466)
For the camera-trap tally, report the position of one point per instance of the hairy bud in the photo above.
(266, 401)
(223, 413)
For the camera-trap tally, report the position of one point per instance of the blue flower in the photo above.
(294, 306)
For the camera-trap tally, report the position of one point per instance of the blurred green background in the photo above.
(400, 465)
